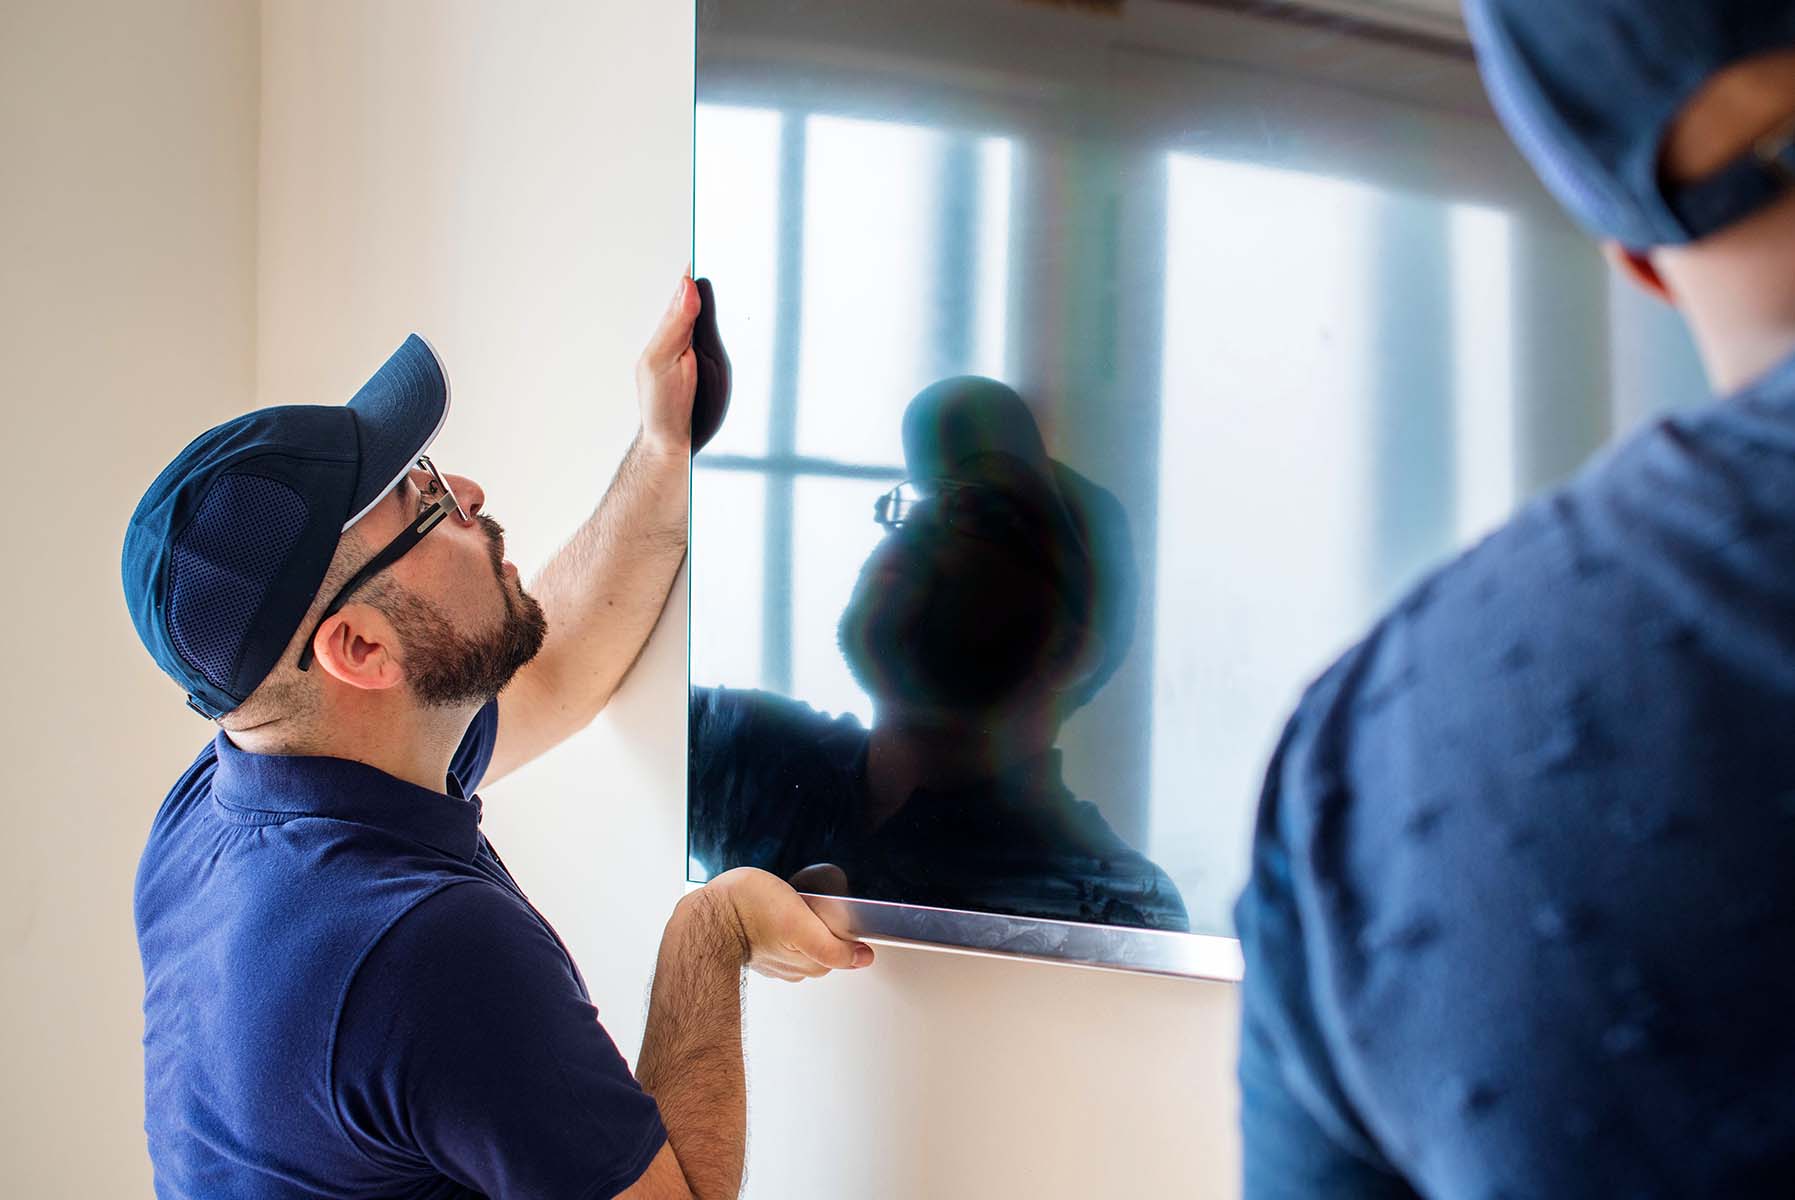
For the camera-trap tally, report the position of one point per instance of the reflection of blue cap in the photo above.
(1589, 88)
(229, 546)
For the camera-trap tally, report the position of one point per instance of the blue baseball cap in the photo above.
(1589, 89)
(228, 547)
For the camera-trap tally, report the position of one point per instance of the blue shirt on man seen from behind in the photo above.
(346, 995)
(1521, 920)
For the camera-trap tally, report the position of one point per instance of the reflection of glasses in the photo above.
(990, 514)
(394, 550)
(972, 509)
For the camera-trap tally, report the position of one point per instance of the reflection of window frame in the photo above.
(782, 466)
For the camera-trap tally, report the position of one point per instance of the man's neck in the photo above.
(405, 741)
(1735, 290)
(905, 754)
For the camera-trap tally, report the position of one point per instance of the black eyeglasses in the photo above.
(973, 509)
(990, 514)
(392, 552)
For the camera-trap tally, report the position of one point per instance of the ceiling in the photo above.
(1448, 8)
(1425, 16)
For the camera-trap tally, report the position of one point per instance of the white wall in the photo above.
(513, 182)
(127, 325)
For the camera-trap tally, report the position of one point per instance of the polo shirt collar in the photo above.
(268, 789)
(1776, 384)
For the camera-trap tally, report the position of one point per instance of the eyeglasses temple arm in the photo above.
(392, 553)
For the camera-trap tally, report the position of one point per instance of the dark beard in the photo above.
(447, 669)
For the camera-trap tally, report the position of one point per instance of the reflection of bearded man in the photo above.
(999, 601)
(445, 666)
(941, 619)
(1008, 580)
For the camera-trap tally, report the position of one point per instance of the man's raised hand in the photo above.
(683, 375)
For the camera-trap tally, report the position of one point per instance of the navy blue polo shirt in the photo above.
(347, 995)
(1521, 919)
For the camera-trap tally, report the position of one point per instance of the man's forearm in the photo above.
(604, 590)
(691, 1060)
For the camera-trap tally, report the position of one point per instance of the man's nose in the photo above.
(471, 495)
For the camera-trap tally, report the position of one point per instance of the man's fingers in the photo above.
(673, 336)
(818, 943)
(785, 937)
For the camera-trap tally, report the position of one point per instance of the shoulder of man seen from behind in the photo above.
(1541, 740)
(1451, 673)
(1527, 662)
(1402, 735)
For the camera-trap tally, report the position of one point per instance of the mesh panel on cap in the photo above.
(223, 564)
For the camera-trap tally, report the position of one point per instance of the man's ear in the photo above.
(1639, 270)
(357, 646)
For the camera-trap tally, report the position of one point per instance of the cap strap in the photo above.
(210, 712)
(1750, 182)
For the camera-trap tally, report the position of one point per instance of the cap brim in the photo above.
(398, 413)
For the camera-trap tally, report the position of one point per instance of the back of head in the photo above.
(1591, 91)
(1667, 129)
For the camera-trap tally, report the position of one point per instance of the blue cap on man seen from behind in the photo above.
(1589, 89)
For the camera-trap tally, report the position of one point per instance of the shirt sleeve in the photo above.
(467, 1049)
(1300, 1137)
(769, 780)
(474, 755)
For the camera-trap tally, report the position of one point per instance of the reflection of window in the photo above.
(738, 207)
(856, 262)
(1337, 415)
(1483, 349)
